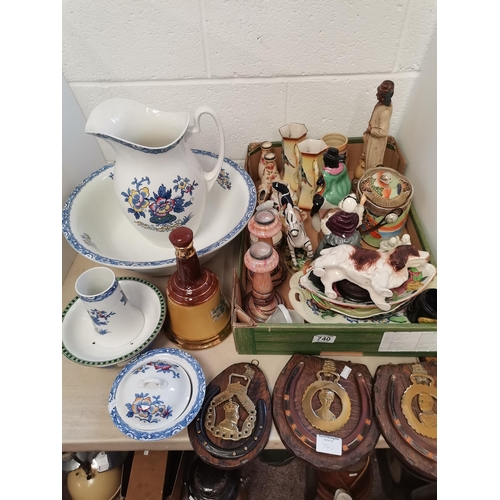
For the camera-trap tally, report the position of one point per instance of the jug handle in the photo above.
(210, 177)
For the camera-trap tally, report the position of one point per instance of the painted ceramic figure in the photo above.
(336, 179)
(332, 186)
(377, 272)
(340, 227)
(293, 221)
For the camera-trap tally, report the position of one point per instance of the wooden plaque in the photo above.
(235, 421)
(359, 434)
(415, 451)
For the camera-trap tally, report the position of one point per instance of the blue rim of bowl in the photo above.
(127, 264)
(179, 425)
(137, 350)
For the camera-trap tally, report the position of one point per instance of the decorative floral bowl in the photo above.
(95, 227)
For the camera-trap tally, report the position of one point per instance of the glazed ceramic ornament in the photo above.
(266, 226)
(336, 179)
(269, 175)
(261, 302)
(341, 226)
(265, 147)
(377, 272)
(311, 164)
(199, 314)
(157, 179)
(291, 135)
(388, 200)
(296, 235)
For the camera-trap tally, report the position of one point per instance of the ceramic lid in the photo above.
(157, 395)
(385, 187)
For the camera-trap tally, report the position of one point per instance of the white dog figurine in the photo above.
(377, 272)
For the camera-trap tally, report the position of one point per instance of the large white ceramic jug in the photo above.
(158, 181)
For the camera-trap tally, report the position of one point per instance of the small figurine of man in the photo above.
(375, 136)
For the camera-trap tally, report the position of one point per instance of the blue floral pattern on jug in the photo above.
(161, 205)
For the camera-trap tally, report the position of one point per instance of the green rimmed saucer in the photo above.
(78, 334)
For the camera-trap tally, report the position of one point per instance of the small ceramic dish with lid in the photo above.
(157, 395)
(388, 196)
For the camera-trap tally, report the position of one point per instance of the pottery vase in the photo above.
(311, 165)
(291, 135)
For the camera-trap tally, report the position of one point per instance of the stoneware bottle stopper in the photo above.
(266, 226)
(261, 302)
(199, 314)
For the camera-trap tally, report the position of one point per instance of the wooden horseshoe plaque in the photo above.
(235, 421)
(316, 399)
(405, 399)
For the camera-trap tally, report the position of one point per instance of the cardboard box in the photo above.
(354, 339)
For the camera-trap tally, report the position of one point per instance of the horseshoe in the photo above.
(351, 441)
(241, 450)
(397, 417)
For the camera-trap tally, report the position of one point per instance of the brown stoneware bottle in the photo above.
(199, 314)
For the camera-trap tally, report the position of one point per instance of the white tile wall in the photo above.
(259, 64)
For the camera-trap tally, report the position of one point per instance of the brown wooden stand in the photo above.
(226, 453)
(417, 452)
(359, 435)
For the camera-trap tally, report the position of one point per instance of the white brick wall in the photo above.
(259, 64)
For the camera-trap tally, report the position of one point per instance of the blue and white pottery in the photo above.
(95, 227)
(157, 395)
(116, 321)
(158, 181)
(79, 337)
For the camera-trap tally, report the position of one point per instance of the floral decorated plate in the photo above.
(78, 334)
(95, 227)
(303, 302)
(419, 279)
(352, 312)
(157, 395)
